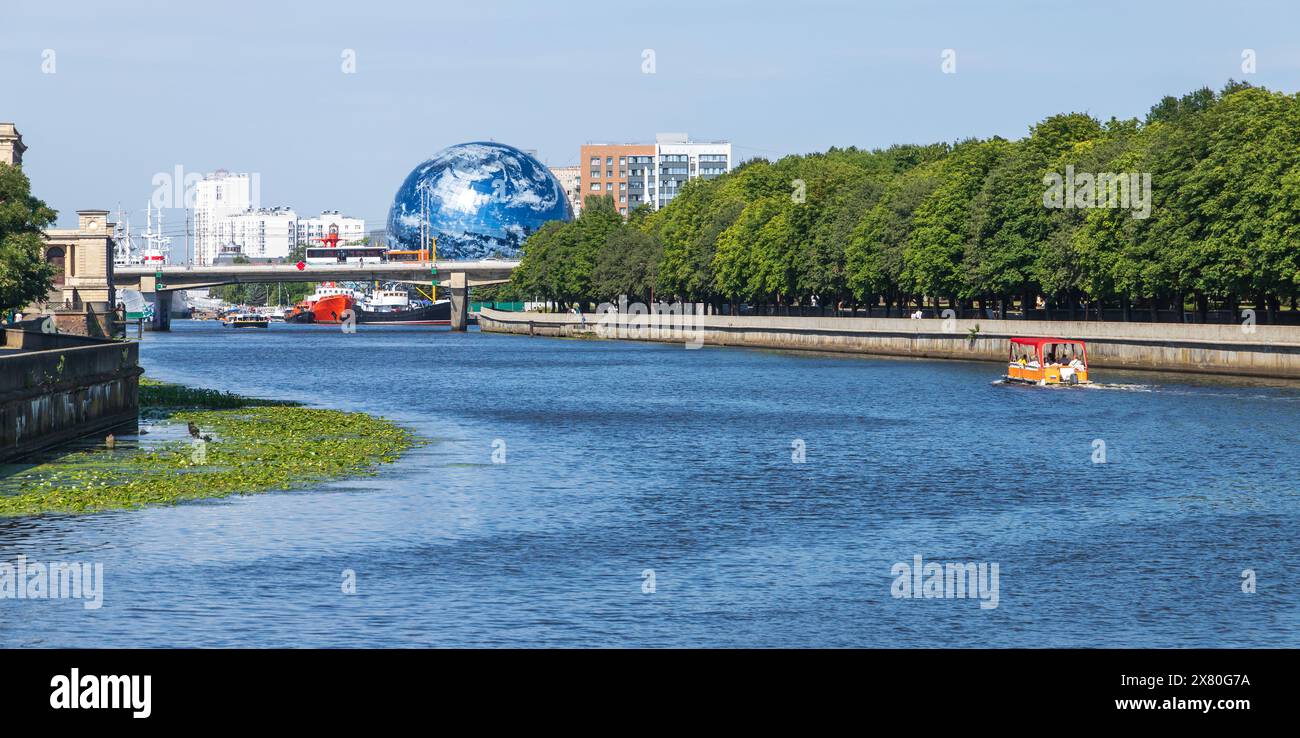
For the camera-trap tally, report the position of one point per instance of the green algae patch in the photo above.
(160, 396)
(251, 446)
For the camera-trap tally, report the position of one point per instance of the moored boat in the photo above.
(329, 304)
(247, 320)
(1047, 361)
(394, 307)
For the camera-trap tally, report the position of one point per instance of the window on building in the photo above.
(595, 187)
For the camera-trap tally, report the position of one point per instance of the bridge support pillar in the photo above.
(459, 290)
(162, 310)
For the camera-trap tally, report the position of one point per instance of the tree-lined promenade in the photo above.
(1193, 209)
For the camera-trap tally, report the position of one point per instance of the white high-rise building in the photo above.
(677, 160)
(264, 233)
(680, 159)
(217, 197)
(311, 230)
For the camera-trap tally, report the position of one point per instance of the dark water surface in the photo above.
(626, 457)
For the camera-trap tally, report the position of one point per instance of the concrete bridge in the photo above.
(455, 276)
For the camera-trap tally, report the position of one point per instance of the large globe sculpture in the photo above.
(481, 199)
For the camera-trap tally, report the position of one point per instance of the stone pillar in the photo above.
(162, 310)
(459, 301)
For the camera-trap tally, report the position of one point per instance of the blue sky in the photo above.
(258, 86)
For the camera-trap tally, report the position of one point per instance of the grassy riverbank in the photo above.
(256, 446)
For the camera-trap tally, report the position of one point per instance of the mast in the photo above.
(156, 245)
(123, 247)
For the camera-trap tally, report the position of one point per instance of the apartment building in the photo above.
(311, 230)
(679, 160)
(652, 174)
(571, 180)
(218, 197)
(264, 233)
(604, 169)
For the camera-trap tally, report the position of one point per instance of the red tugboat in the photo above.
(327, 305)
(330, 303)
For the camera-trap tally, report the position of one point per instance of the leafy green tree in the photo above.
(628, 264)
(875, 259)
(736, 264)
(1011, 221)
(942, 225)
(25, 277)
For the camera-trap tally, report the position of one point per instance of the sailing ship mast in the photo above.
(124, 250)
(157, 245)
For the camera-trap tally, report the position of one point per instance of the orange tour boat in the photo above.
(1048, 361)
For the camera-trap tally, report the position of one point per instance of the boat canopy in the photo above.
(1040, 342)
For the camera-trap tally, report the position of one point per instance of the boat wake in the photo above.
(1092, 386)
(1121, 387)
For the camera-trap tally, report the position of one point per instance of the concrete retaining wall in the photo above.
(1265, 351)
(56, 387)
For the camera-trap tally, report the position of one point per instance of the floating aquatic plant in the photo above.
(257, 445)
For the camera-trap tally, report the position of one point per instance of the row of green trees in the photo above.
(1209, 216)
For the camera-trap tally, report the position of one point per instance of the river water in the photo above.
(653, 496)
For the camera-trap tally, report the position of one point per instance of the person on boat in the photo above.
(1069, 371)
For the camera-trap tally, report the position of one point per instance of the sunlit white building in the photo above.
(217, 197)
(266, 233)
(679, 160)
(311, 230)
(571, 180)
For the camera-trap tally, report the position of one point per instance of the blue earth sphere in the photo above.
(482, 199)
